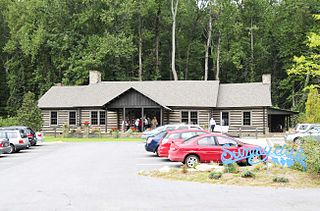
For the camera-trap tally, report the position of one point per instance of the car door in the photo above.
(208, 150)
(222, 140)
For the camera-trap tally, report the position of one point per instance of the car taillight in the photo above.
(40, 135)
(1, 145)
(30, 136)
(21, 141)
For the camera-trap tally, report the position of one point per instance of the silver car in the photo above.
(18, 139)
(312, 132)
(4, 146)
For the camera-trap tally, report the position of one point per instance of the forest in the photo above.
(45, 42)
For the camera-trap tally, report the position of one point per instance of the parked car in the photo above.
(177, 136)
(152, 142)
(4, 146)
(312, 132)
(157, 130)
(17, 137)
(303, 127)
(30, 133)
(203, 149)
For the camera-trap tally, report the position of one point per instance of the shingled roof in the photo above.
(244, 95)
(165, 93)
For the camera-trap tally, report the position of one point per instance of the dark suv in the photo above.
(30, 133)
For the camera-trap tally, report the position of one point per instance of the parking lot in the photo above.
(104, 176)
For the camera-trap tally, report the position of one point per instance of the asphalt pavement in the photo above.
(104, 176)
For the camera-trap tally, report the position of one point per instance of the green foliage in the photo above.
(311, 149)
(29, 114)
(10, 121)
(43, 42)
(248, 174)
(215, 175)
(231, 168)
(280, 179)
(312, 114)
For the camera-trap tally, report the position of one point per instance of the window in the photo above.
(185, 116)
(224, 118)
(246, 118)
(225, 140)
(72, 118)
(12, 134)
(102, 118)
(206, 141)
(54, 118)
(186, 135)
(189, 117)
(94, 117)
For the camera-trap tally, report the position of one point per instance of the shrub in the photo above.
(311, 149)
(65, 130)
(215, 175)
(280, 179)
(259, 167)
(29, 114)
(248, 174)
(231, 168)
(10, 121)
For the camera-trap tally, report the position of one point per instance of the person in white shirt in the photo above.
(212, 124)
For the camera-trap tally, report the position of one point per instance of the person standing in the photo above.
(212, 124)
(154, 123)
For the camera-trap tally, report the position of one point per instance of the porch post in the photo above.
(142, 116)
(161, 110)
(106, 110)
(124, 119)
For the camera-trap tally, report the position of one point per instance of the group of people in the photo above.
(147, 123)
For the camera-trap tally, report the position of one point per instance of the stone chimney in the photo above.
(266, 78)
(94, 77)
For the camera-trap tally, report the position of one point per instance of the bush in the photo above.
(231, 168)
(29, 114)
(280, 179)
(215, 175)
(311, 149)
(248, 174)
(10, 121)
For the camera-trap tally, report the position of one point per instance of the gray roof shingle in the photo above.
(244, 95)
(166, 93)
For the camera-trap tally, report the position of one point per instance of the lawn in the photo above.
(103, 139)
(297, 179)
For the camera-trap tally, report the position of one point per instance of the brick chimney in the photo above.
(266, 78)
(94, 77)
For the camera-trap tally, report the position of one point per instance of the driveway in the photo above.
(103, 176)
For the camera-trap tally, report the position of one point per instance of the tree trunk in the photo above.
(158, 38)
(174, 8)
(206, 62)
(218, 58)
(252, 56)
(140, 47)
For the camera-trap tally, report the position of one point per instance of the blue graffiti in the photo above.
(283, 156)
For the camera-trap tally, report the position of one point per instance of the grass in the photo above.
(103, 139)
(297, 179)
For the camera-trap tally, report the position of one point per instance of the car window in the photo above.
(171, 128)
(2, 135)
(187, 135)
(222, 140)
(12, 134)
(206, 141)
(174, 136)
(189, 139)
(194, 127)
(200, 133)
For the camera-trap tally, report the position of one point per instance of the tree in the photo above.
(312, 114)
(29, 114)
(174, 9)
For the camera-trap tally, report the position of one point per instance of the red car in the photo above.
(205, 148)
(178, 136)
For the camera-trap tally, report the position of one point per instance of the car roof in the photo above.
(186, 130)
